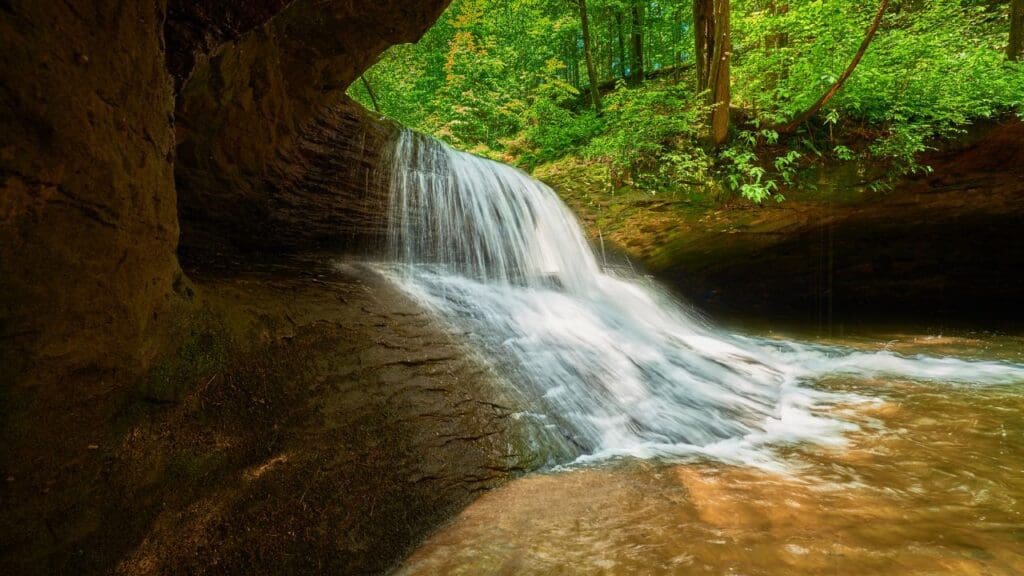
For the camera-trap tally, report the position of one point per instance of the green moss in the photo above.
(204, 345)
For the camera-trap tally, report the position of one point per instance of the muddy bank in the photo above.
(308, 418)
(935, 250)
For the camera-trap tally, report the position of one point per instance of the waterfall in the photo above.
(482, 219)
(608, 362)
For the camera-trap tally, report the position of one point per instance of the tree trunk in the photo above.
(677, 24)
(595, 94)
(778, 39)
(572, 61)
(817, 106)
(712, 55)
(719, 78)
(1016, 47)
(703, 41)
(637, 73)
(622, 45)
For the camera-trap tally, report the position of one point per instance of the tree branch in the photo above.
(369, 90)
(791, 127)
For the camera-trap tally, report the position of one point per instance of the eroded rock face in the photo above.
(258, 113)
(333, 449)
(88, 219)
(97, 97)
(324, 424)
(195, 28)
(151, 425)
(325, 188)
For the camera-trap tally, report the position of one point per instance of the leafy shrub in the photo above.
(652, 136)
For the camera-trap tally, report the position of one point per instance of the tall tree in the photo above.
(703, 41)
(713, 55)
(571, 60)
(1016, 47)
(677, 25)
(791, 127)
(637, 73)
(588, 54)
(720, 77)
(622, 43)
(775, 42)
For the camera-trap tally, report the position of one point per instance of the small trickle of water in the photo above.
(612, 362)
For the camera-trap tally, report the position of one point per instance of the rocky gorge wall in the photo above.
(941, 249)
(88, 217)
(119, 115)
(128, 130)
(271, 154)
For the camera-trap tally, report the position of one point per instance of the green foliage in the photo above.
(507, 77)
(651, 136)
(935, 66)
(552, 128)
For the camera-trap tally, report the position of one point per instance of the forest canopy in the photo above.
(705, 93)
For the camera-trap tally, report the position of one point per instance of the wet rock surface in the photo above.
(311, 420)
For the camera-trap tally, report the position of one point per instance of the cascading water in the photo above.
(610, 362)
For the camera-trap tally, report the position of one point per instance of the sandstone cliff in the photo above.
(118, 116)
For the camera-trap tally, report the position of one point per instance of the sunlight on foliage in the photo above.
(508, 79)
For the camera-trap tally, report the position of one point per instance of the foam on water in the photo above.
(617, 365)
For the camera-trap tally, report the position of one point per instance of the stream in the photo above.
(932, 482)
(674, 446)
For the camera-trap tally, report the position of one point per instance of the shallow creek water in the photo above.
(676, 446)
(932, 482)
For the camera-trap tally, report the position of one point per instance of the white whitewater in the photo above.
(610, 363)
